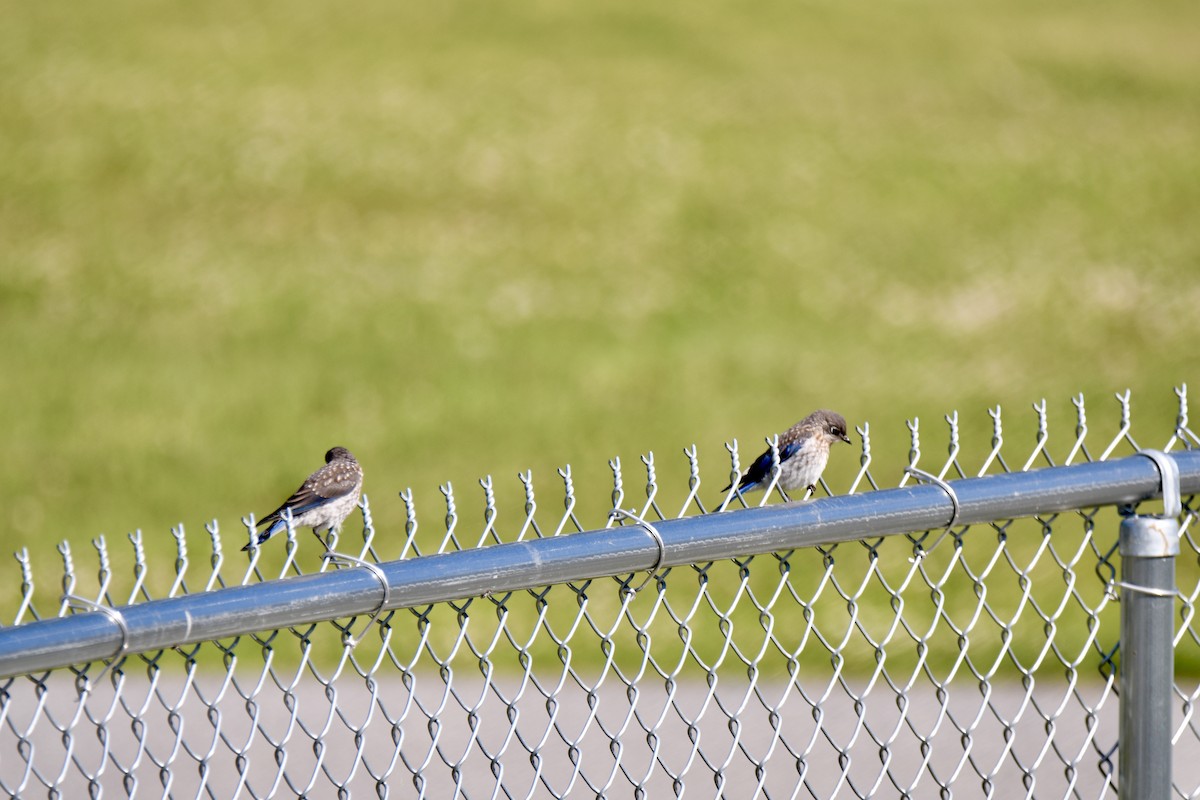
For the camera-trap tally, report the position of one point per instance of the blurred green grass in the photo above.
(466, 240)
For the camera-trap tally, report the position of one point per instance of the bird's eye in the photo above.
(835, 430)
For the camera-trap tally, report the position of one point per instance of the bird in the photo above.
(803, 454)
(323, 501)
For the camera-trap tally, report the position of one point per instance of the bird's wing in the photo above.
(325, 485)
(760, 470)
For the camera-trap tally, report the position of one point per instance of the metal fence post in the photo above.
(1148, 545)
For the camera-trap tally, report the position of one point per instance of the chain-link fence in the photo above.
(953, 636)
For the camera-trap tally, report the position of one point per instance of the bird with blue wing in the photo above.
(323, 501)
(803, 453)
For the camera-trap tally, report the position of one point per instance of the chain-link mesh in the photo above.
(973, 661)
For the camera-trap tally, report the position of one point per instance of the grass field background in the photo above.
(470, 239)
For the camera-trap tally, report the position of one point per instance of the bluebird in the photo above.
(323, 501)
(803, 454)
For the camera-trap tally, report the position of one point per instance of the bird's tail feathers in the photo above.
(739, 492)
(267, 533)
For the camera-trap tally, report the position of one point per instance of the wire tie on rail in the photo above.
(341, 559)
(83, 604)
(618, 513)
(928, 477)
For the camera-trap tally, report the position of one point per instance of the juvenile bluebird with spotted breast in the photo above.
(323, 501)
(803, 454)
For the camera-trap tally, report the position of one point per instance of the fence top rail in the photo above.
(106, 633)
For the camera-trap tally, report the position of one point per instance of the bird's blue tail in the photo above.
(267, 533)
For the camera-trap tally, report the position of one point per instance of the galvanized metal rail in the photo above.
(107, 633)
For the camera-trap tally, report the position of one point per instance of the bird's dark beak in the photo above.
(846, 439)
